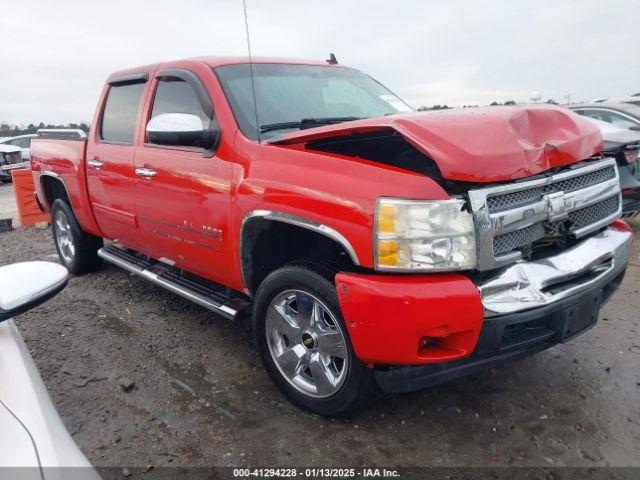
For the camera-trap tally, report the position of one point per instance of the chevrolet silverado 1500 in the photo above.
(370, 245)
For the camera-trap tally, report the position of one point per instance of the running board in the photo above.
(170, 278)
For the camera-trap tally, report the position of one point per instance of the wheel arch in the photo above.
(53, 187)
(261, 229)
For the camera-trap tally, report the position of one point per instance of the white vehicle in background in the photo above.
(633, 99)
(11, 159)
(34, 443)
(23, 142)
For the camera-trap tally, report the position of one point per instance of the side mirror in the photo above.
(181, 129)
(26, 285)
(635, 128)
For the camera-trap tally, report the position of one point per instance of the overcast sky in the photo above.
(55, 55)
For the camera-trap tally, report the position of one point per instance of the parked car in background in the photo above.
(10, 159)
(624, 146)
(34, 442)
(368, 243)
(633, 99)
(623, 115)
(23, 142)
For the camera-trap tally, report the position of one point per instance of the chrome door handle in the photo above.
(146, 172)
(95, 163)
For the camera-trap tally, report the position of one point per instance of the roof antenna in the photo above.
(253, 85)
(332, 60)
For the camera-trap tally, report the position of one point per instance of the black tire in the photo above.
(84, 257)
(312, 278)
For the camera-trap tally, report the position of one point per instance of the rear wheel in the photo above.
(77, 249)
(304, 342)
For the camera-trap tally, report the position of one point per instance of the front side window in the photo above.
(120, 112)
(174, 95)
(287, 93)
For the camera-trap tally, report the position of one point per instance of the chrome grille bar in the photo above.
(526, 206)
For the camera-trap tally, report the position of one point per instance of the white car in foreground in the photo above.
(34, 443)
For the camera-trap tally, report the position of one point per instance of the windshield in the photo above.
(302, 95)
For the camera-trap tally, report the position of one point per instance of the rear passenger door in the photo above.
(183, 209)
(109, 159)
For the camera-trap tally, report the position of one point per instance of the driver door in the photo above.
(182, 194)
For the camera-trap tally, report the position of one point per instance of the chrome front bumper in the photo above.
(527, 285)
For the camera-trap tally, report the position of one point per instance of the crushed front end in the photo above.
(10, 159)
(549, 252)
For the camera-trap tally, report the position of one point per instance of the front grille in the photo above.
(515, 218)
(515, 199)
(12, 158)
(508, 242)
(498, 203)
(588, 215)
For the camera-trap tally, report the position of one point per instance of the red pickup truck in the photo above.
(369, 245)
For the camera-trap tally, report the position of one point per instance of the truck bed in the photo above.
(59, 155)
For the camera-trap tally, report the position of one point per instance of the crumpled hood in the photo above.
(481, 144)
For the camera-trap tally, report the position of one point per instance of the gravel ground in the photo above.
(8, 208)
(199, 395)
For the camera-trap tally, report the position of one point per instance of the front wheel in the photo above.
(304, 342)
(77, 249)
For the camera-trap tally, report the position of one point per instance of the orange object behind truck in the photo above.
(28, 209)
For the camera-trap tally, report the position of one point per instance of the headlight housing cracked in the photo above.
(423, 235)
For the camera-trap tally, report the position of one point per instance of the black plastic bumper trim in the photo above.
(490, 353)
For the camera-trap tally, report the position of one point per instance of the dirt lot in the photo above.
(201, 397)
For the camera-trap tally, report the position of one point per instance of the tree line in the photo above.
(492, 104)
(7, 130)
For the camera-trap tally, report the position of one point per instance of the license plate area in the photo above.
(14, 166)
(520, 333)
(579, 318)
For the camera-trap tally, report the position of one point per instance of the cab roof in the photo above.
(213, 62)
(220, 61)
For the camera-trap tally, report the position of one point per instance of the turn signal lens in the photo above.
(387, 219)
(388, 253)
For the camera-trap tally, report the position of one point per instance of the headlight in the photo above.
(431, 235)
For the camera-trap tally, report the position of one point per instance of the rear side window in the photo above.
(120, 112)
(174, 95)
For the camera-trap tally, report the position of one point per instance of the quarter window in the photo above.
(120, 112)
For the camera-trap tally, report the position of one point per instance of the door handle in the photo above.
(146, 172)
(95, 163)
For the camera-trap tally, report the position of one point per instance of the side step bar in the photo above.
(171, 279)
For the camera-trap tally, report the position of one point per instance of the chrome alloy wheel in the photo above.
(64, 238)
(306, 343)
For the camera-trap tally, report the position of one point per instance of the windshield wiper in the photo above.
(306, 123)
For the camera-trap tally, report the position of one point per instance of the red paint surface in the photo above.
(387, 315)
(67, 160)
(621, 225)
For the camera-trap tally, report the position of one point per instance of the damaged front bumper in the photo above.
(421, 330)
(527, 285)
